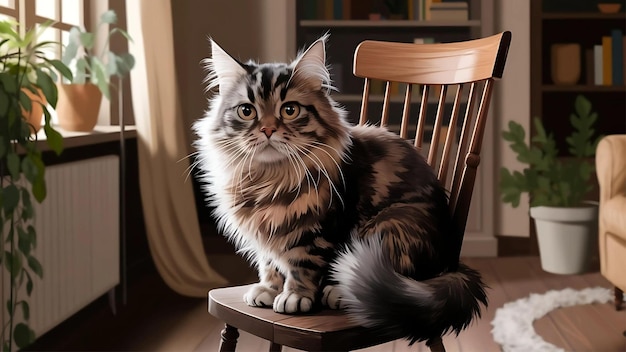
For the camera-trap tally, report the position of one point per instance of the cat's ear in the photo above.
(310, 66)
(224, 70)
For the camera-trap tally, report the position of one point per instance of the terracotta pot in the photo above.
(35, 116)
(565, 64)
(78, 106)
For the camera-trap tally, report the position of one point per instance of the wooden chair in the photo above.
(465, 69)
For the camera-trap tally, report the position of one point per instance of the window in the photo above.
(31, 13)
(66, 14)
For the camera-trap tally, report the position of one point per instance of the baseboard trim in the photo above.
(510, 246)
(480, 247)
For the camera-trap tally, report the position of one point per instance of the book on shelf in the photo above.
(457, 11)
(617, 57)
(326, 9)
(419, 10)
(589, 67)
(609, 59)
(607, 64)
(597, 65)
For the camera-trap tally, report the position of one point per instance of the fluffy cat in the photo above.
(331, 214)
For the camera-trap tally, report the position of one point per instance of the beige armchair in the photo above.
(611, 170)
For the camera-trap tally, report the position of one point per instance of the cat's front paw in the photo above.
(292, 302)
(332, 298)
(260, 295)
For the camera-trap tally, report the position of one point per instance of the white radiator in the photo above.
(77, 239)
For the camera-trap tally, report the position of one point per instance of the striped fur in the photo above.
(330, 213)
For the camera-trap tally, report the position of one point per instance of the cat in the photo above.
(331, 214)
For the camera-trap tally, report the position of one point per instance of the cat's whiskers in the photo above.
(344, 156)
(250, 164)
(309, 175)
(233, 150)
(298, 183)
(237, 179)
(322, 168)
(343, 180)
(189, 169)
(293, 155)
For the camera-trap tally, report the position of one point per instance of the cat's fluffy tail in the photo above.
(376, 296)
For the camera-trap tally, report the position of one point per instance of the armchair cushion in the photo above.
(614, 216)
(611, 171)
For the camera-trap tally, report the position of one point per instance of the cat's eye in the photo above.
(290, 111)
(246, 111)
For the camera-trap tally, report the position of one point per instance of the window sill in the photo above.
(100, 134)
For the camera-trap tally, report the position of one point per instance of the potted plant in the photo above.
(79, 100)
(557, 187)
(25, 72)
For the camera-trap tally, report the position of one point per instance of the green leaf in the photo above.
(25, 310)
(82, 67)
(39, 189)
(62, 68)
(101, 77)
(9, 82)
(109, 17)
(29, 285)
(25, 101)
(35, 266)
(13, 263)
(48, 88)
(53, 137)
(23, 335)
(72, 47)
(28, 212)
(13, 164)
(30, 169)
(10, 306)
(23, 241)
(122, 32)
(32, 234)
(125, 63)
(4, 102)
(582, 106)
(111, 64)
(10, 198)
(87, 40)
(3, 147)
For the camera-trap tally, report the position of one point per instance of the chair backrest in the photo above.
(434, 72)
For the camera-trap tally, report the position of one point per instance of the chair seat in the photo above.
(326, 330)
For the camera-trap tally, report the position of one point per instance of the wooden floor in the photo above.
(169, 322)
(583, 328)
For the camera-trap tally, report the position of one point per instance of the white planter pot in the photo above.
(567, 237)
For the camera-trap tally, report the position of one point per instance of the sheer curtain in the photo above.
(168, 203)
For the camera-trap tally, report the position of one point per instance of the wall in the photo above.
(512, 102)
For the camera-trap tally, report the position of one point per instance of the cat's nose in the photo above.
(268, 130)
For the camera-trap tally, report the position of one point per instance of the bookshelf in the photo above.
(348, 30)
(578, 22)
(389, 23)
(354, 26)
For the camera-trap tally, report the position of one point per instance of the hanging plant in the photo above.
(25, 72)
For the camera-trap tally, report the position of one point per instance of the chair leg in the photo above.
(274, 347)
(619, 298)
(435, 345)
(230, 334)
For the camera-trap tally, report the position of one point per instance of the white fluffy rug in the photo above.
(513, 323)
